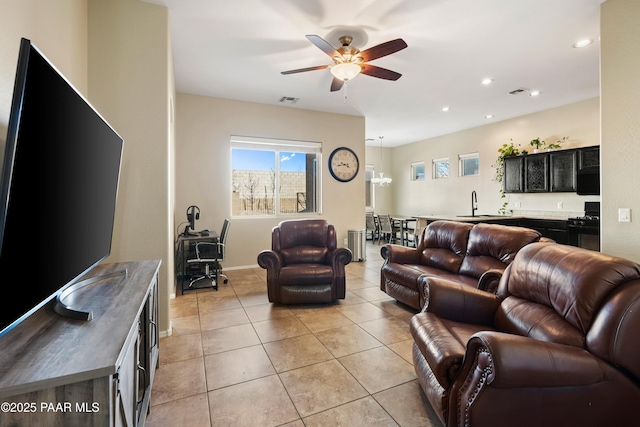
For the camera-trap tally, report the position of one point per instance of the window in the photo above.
(369, 187)
(469, 164)
(441, 168)
(274, 177)
(417, 171)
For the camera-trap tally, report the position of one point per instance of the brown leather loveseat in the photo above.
(474, 255)
(304, 264)
(559, 345)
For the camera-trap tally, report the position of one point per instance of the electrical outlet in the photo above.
(517, 204)
(624, 215)
(559, 205)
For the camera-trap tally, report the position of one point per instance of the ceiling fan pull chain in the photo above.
(345, 92)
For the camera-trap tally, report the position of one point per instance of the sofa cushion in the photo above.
(306, 274)
(408, 274)
(493, 246)
(304, 255)
(444, 245)
(540, 274)
(442, 342)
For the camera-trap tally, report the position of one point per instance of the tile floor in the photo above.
(234, 359)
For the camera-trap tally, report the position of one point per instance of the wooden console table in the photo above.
(59, 371)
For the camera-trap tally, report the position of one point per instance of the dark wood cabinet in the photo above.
(588, 157)
(536, 173)
(552, 228)
(513, 178)
(562, 165)
(554, 171)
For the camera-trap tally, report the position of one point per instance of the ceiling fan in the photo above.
(349, 61)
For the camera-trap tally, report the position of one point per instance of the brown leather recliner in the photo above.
(558, 345)
(304, 264)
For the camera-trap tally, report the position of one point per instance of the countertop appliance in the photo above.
(584, 231)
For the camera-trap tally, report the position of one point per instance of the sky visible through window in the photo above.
(265, 160)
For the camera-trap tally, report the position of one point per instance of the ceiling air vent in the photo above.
(289, 99)
(518, 91)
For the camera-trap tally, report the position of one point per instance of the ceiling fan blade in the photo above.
(379, 72)
(324, 46)
(336, 84)
(383, 49)
(302, 70)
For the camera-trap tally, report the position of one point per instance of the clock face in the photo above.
(343, 164)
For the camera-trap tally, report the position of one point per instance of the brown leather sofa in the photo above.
(559, 345)
(304, 264)
(474, 255)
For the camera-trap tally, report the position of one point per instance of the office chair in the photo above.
(209, 255)
(222, 241)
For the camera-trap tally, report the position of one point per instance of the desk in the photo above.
(185, 246)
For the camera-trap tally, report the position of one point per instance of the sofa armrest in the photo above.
(338, 258)
(519, 361)
(456, 301)
(489, 280)
(272, 262)
(399, 254)
(502, 375)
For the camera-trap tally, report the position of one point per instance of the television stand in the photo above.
(57, 371)
(64, 310)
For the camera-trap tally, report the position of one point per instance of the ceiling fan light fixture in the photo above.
(346, 71)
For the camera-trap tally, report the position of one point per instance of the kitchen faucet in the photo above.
(474, 203)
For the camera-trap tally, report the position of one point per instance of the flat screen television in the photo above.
(58, 191)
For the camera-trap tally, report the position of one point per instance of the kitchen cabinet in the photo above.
(513, 178)
(552, 228)
(562, 165)
(588, 157)
(553, 171)
(536, 173)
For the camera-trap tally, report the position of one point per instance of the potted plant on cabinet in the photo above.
(507, 150)
(556, 145)
(537, 144)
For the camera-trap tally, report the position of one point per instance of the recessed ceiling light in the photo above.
(489, 116)
(534, 93)
(487, 81)
(582, 43)
(445, 109)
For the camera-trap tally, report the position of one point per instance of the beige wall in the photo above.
(203, 169)
(579, 121)
(130, 84)
(383, 196)
(620, 94)
(57, 27)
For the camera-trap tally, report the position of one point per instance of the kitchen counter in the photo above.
(551, 226)
(466, 218)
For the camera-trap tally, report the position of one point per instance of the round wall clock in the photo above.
(343, 164)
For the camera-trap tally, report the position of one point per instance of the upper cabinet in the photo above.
(562, 170)
(513, 174)
(553, 171)
(536, 173)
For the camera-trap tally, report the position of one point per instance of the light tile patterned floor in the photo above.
(234, 359)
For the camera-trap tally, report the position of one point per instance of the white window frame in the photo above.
(461, 160)
(370, 172)
(435, 168)
(278, 146)
(415, 176)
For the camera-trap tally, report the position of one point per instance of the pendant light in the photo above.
(381, 181)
